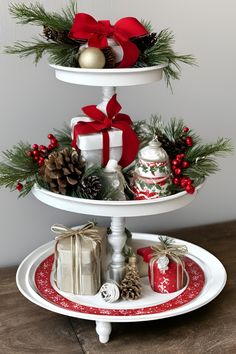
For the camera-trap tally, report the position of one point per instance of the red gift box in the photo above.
(165, 271)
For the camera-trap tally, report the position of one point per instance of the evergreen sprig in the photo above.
(162, 53)
(147, 25)
(174, 129)
(63, 136)
(36, 14)
(59, 53)
(202, 158)
(219, 148)
(16, 166)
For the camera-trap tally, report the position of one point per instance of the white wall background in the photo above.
(32, 102)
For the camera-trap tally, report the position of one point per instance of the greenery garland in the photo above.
(54, 41)
(19, 171)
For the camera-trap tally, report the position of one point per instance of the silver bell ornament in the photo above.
(114, 181)
(92, 58)
(152, 176)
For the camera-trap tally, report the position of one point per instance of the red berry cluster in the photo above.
(39, 153)
(188, 140)
(178, 164)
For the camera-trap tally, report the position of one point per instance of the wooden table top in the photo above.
(27, 328)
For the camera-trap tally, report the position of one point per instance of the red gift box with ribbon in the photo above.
(85, 27)
(103, 123)
(165, 266)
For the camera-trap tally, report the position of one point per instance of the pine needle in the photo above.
(17, 166)
(147, 25)
(63, 136)
(219, 148)
(59, 53)
(36, 14)
(161, 53)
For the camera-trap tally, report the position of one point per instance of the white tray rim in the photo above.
(114, 202)
(107, 71)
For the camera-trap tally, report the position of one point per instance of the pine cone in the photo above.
(172, 148)
(110, 57)
(90, 186)
(145, 42)
(58, 36)
(63, 170)
(130, 286)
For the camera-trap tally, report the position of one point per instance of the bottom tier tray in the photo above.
(206, 279)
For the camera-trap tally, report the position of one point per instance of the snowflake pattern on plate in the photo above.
(45, 288)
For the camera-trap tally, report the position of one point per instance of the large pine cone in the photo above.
(63, 170)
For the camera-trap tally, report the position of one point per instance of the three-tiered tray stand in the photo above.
(207, 276)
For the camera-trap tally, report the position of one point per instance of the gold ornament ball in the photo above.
(92, 58)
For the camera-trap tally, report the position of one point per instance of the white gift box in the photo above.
(91, 145)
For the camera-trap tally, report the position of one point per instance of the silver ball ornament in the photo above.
(92, 58)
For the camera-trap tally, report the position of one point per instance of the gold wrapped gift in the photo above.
(78, 265)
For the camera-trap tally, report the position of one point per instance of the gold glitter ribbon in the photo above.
(175, 252)
(86, 233)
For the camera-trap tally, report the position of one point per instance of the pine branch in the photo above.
(202, 168)
(165, 241)
(219, 148)
(63, 136)
(17, 166)
(161, 53)
(59, 53)
(174, 129)
(147, 25)
(37, 15)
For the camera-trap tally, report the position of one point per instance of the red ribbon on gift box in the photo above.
(85, 27)
(102, 123)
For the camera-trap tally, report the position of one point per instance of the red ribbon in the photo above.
(102, 123)
(85, 27)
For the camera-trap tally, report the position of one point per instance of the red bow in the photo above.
(97, 32)
(102, 123)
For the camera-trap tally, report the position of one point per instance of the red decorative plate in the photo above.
(46, 290)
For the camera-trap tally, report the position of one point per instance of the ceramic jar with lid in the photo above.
(152, 175)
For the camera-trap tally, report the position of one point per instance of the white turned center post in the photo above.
(107, 93)
(117, 240)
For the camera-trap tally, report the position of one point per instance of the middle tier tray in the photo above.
(129, 208)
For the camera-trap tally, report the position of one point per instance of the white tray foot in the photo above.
(103, 330)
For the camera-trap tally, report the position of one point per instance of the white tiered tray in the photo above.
(36, 267)
(153, 306)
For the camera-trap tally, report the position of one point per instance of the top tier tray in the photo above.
(109, 77)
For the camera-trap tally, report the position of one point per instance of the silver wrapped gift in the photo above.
(79, 258)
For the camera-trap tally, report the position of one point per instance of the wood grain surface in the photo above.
(26, 328)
